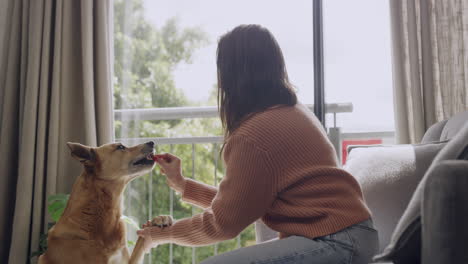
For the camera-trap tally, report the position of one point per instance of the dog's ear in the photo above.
(82, 153)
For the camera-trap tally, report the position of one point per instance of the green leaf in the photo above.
(130, 243)
(58, 197)
(130, 221)
(55, 214)
(56, 205)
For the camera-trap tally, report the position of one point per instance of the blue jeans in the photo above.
(353, 245)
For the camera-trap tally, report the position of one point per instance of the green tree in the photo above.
(145, 58)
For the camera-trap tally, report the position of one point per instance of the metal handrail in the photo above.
(172, 140)
(370, 134)
(175, 113)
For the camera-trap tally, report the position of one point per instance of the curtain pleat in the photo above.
(56, 87)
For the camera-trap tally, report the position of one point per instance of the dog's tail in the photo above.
(138, 252)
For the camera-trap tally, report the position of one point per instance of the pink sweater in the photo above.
(280, 167)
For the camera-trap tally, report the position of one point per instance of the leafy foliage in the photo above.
(42, 242)
(55, 205)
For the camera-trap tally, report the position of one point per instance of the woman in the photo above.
(280, 167)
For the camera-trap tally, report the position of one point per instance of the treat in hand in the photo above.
(165, 157)
(170, 166)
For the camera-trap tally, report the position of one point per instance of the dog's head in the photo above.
(115, 161)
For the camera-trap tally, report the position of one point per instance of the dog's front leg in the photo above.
(139, 250)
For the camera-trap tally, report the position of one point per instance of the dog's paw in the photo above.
(162, 221)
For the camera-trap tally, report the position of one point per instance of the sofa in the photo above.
(417, 193)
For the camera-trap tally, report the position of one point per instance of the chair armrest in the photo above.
(445, 214)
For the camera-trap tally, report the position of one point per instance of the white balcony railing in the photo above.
(177, 113)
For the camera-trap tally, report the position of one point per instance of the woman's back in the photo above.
(313, 196)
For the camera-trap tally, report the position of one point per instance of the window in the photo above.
(357, 63)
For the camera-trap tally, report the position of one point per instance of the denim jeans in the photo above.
(353, 245)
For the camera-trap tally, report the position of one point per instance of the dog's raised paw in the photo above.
(162, 221)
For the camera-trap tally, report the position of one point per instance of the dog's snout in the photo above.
(150, 143)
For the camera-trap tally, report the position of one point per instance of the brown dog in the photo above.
(90, 229)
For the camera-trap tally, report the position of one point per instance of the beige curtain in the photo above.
(430, 63)
(55, 86)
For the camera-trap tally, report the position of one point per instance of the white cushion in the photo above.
(388, 176)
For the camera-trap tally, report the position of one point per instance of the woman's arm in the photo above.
(198, 193)
(245, 194)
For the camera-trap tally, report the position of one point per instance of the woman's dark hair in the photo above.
(252, 75)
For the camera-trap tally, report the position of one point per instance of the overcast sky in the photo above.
(357, 49)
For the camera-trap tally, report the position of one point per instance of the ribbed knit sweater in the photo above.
(280, 167)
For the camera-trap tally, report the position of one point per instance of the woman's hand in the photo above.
(148, 244)
(171, 166)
